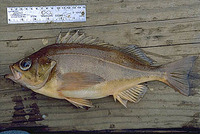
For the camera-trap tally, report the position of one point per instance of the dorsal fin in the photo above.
(78, 38)
(81, 38)
(136, 52)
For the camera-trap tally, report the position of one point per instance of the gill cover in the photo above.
(41, 73)
(32, 72)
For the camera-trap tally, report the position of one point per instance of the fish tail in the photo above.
(178, 74)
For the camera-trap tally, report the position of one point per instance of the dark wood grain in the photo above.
(166, 30)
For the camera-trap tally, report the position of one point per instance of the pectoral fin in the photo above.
(73, 83)
(78, 102)
(133, 94)
(78, 80)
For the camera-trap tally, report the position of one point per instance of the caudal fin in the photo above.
(178, 74)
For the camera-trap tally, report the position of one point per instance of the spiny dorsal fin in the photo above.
(136, 52)
(79, 38)
(73, 38)
(133, 94)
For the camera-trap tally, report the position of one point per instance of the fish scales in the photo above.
(107, 53)
(78, 68)
(106, 69)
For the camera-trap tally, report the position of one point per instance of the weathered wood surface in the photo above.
(168, 30)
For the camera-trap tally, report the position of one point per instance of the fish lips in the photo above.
(16, 75)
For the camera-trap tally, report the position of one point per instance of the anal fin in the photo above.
(133, 94)
(122, 101)
(78, 102)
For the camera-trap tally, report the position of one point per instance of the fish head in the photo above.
(32, 72)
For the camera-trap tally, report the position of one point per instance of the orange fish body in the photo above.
(78, 68)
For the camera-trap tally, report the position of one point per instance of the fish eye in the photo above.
(25, 64)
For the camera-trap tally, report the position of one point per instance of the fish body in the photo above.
(78, 69)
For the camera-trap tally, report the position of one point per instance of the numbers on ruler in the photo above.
(47, 7)
(45, 14)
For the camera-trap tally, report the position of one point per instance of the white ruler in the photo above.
(46, 14)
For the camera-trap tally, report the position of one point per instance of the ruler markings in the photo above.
(46, 14)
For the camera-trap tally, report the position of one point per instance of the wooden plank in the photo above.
(160, 108)
(153, 37)
(167, 30)
(156, 32)
(111, 12)
(159, 54)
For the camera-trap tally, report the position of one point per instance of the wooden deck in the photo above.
(167, 30)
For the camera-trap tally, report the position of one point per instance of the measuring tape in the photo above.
(46, 14)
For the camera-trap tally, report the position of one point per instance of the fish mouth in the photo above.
(16, 75)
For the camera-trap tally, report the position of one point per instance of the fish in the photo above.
(78, 68)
